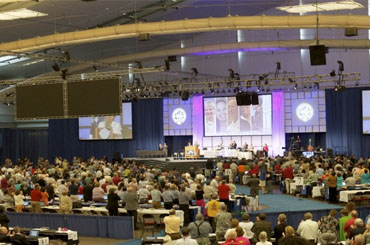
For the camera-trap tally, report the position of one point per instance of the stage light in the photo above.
(332, 73)
(55, 67)
(95, 68)
(258, 89)
(237, 77)
(341, 66)
(291, 80)
(166, 65)
(66, 55)
(317, 86)
(278, 68)
(357, 83)
(139, 64)
(194, 72)
(203, 92)
(231, 73)
(295, 86)
(64, 74)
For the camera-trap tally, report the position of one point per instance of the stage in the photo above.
(169, 163)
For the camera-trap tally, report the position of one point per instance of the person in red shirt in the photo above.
(255, 170)
(350, 223)
(223, 193)
(116, 179)
(4, 183)
(36, 197)
(266, 150)
(288, 176)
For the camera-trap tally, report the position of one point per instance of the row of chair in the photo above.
(361, 198)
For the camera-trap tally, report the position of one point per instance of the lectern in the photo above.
(192, 152)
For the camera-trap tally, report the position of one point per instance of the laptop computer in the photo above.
(34, 233)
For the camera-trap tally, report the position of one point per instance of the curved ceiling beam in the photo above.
(187, 26)
(232, 47)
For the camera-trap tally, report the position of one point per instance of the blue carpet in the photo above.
(283, 203)
(131, 242)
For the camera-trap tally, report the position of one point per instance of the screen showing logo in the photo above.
(304, 112)
(179, 116)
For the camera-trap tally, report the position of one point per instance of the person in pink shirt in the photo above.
(240, 238)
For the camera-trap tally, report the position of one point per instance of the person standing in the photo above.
(112, 205)
(308, 228)
(132, 203)
(172, 225)
(342, 221)
(332, 183)
(223, 192)
(200, 230)
(288, 176)
(213, 208)
(223, 222)
(328, 227)
(36, 197)
(65, 204)
(184, 199)
(266, 150)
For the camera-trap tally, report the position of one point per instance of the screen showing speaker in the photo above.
(107, 127)
(223, 116)
(177, 117)
(366, 111)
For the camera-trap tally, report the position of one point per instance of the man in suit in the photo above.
(132, 203)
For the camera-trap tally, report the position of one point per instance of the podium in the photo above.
(192, 152)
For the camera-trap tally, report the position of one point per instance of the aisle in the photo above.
(282, 203)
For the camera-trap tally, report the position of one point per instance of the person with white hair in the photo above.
(359, 228)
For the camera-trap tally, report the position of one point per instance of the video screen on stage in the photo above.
(107, 127)
(177, 117)
(366, 111)
(305, 112)
(222, 116)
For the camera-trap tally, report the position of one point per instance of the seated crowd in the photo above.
(127, 184)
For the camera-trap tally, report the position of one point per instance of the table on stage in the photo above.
(228, 153)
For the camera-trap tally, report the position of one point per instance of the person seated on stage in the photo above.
(160, 147)
(172, 225)
(232, 145)
(245, 147)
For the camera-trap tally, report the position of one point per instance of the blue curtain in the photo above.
(344, 123)
(317, 139)
(20, 143)
(177, 143)
(147, 134)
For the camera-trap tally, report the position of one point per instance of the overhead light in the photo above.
(10, 59)
(55, 67)
(325, 6)
(20, 14)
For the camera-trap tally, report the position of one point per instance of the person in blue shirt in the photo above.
(365, 177)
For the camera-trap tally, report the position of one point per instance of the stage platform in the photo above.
(169, 163)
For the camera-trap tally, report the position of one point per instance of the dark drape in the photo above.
(344, 123)
(317, 139)
(177, 143)
(147, 134)
(20, 143)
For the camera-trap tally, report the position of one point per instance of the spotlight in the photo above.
(95, 68)
(203, 92)
(291, 80)
(237, 76)
(66, 55)
(357, 83)
(139, 64)
(341, 66)
(278, 68)
(231, 73)
(194, 72)
(332, 73)
(317, 86)
(55, 67)
(212, 91)
(258, 89)
(339, 88)
(166, 65)
(295, 86)
(64, 74)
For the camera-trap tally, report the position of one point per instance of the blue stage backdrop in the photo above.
(344, 123)
(147, 134)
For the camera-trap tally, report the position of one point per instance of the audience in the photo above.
(223, 222)
(186, 240)
(260, 226)
(200, 230)
(328, 226)
(172, 225)
(308, 228)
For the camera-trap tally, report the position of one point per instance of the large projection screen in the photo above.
(94, 98)
(39, 101)
(108, 127)
(223, 117)
(366, 111)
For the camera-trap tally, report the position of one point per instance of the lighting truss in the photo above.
(153, 89)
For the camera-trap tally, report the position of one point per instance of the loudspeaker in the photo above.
(318, 55)
(144, 37)
(239, 98)
(246, 99)
(185, 95)
(351, 32)
(172, 58)
(255, 100)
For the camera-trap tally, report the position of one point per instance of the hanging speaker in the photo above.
(239, 98)
(254, 99)
(318, 55)
(247, 99)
